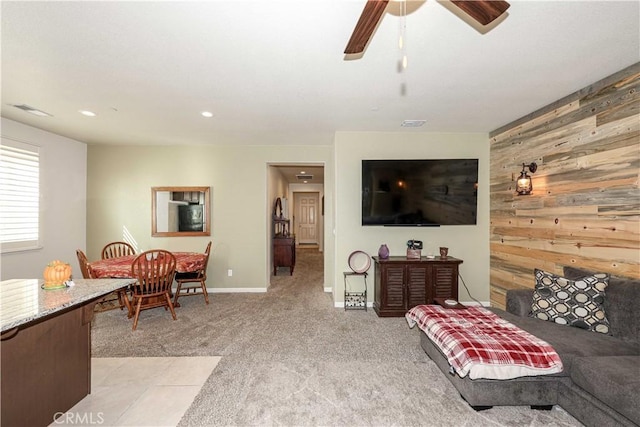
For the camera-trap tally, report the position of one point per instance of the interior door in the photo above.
(306, 217)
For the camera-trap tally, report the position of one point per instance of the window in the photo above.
(19, 196)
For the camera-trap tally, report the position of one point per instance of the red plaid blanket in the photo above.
(479, 343)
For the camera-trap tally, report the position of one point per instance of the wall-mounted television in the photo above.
(430, 192)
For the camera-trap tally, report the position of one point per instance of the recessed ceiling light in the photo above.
(207, 114)
(305, 181)
(302, 172)
(412, 123)
(87, 113)
(31, 110)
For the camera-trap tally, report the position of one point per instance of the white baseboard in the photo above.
(236, 290)
(474, 303)
(329, 290)
(340, 304)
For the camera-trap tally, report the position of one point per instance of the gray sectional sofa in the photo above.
(600, 382)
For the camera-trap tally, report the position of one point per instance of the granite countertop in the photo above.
(23, 300)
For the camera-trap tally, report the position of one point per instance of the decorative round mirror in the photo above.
(359, 262)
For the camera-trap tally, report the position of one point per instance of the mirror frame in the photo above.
(207, 212)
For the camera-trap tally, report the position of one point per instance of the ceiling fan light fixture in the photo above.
(366, 25)
(482, 11)
(403, 34)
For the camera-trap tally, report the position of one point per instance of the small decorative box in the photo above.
(414, 253)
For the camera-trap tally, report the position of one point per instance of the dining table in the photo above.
(120, 267)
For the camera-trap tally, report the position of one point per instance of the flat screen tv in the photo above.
(419, 192)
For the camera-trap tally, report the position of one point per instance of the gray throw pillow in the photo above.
(578, 303)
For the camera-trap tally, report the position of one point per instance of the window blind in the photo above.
(19, 196)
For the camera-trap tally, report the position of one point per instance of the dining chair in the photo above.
(84, 264)
(117, 249)
(197, 277)
(106, 302)
(155, 270)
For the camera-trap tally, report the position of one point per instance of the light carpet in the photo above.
(290, 358)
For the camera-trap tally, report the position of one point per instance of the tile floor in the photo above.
(140, 391)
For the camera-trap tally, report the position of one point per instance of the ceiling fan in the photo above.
(483, 11)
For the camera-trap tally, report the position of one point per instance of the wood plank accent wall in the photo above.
(585, 207)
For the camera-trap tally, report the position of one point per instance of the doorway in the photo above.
(300, 186)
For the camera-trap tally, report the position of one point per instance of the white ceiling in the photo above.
(298, 174)
(273, 72)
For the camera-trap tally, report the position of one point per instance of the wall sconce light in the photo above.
(524, 185)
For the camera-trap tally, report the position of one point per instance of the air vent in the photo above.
(413, 123)
(303, 177)
(34, 111)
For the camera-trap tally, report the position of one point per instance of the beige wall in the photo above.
(119, 198)
(584, 208)
(119, 179)
(95, 194)
(469, 243)
(63, 175)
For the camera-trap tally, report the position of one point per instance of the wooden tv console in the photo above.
(402, 283)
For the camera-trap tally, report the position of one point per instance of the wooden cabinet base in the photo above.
(46, 368)
(284, 253)
(382, 312)
(402, 283)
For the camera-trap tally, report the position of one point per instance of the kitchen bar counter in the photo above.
(23, 300)
(45, 353)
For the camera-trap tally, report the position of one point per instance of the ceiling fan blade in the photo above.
(483, 11)
(366, 25)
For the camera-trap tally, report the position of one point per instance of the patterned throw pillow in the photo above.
(578, 303)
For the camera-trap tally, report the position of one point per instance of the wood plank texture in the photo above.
(585, 207)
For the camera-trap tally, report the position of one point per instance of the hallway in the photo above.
(308, 274)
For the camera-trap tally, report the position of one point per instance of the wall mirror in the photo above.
(180, 211)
